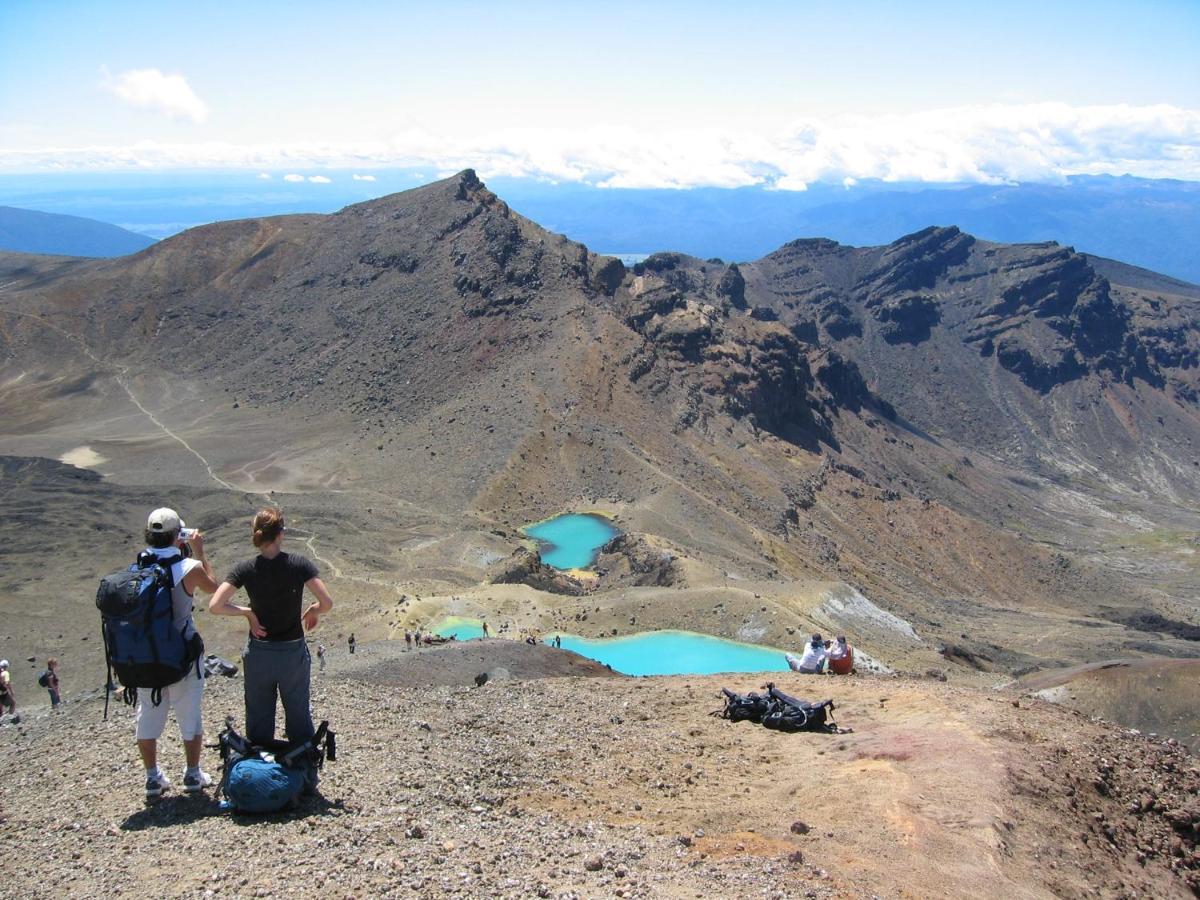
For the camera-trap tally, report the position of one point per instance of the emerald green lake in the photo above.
(676, 653)
(651, 652)
(571, 541)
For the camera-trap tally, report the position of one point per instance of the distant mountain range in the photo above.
(30, 231)
(1150, 223)
(1154, 224)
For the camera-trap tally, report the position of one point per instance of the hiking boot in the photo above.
(156, 785)
(194, 784)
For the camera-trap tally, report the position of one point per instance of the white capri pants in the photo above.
(184, 697)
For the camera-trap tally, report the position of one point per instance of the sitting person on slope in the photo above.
(841, 657)
(276, 661)
(813, 659)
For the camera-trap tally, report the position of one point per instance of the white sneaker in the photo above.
(193, 784)
(156, 785)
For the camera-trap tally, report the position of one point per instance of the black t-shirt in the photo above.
(276, 588)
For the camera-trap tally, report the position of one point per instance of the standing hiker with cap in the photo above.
(183, 549)
(8, 700)
(276, 661)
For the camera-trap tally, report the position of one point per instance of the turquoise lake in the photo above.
(571, 541)
(461, 628)
(651, 652)
(676, 653)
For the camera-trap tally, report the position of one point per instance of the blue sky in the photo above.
(619, 94)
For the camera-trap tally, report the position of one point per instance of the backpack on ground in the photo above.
(778, 711)
(270, 778)
(744, 707)
(142, 646)
(790, 714)
(44, 679)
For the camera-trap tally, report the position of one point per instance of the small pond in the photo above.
(675, 653)
(571, 541)
(462, 628)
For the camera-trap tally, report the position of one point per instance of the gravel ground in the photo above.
(614, 787)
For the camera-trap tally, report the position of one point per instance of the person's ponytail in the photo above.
(267, 525)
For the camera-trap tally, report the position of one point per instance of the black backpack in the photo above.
(778, 711)
(142, 646)
(790, 714)
(44, 679)
(740, 708)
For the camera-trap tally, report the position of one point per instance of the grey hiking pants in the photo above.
(277, 669)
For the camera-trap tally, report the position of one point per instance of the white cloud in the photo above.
(363, 177)
(264, 176)
(155, 90)
(320, 179)
(990, 144)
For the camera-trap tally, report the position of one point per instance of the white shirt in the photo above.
(812, 658)
(181, 600)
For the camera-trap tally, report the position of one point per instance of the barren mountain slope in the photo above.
(819, 439)
(1033, 353)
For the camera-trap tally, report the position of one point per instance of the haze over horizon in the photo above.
(679, 96)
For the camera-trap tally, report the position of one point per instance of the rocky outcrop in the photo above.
(630, 561)
(1053, 319)
(915, 262)
(732, 286)
(526, 567)
(907, 319)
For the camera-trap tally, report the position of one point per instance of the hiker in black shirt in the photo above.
(276, 661)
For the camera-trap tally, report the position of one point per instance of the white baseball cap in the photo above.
(164, 521)
(3, 663)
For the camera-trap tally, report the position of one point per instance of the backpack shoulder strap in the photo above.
(146, 559)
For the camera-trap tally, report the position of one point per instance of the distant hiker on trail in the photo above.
(417, 638)
(486, 632)
(841, 657)
(812, 660)
(321, 655)
(558, 641)
(407, 640)
(352, 642)
(276, 662)
(49, 680)
(7, 699)
(167, 539)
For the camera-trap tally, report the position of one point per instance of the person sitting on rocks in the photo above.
(841, 657)
(813, 659)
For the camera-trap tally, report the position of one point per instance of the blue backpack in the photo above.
(270, 778)
(142, 646)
